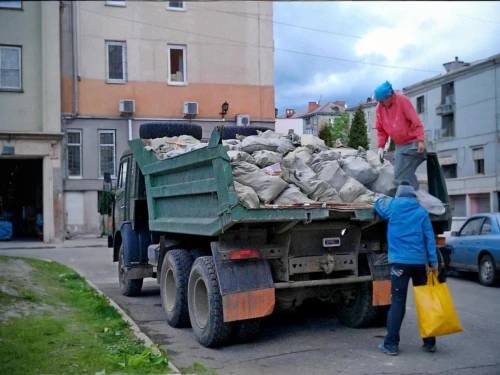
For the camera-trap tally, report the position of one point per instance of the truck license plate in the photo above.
(331, 242)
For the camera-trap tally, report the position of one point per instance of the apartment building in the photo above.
(31, 188)
(316, 115)
(460, 110)
(125, 63)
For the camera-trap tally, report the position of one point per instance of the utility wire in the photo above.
(262, 46)
(277, 22)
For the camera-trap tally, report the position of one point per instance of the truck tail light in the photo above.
(244, 254)
(440, 241)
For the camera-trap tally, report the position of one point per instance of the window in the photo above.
(176, 5)
(115, 3)
(486, 229)
(74, 153)
(478, 156)
(420, 104)
(177, 65)
(107, 152)
(122, 180)
(116, 62)
(10, 68)
(331, 121)
(472, 228)
(448, 126)
(450, 170)
(315, 121)
(368, 114)
(11, 4)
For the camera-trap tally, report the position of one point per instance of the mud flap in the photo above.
(381, 275)
(246, 286)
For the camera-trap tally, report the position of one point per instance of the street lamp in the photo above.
(224, 109)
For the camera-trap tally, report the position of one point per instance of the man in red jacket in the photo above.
(396, 118)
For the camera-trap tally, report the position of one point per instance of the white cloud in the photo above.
(421, 35)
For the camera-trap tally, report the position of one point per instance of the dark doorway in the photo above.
(21, 197)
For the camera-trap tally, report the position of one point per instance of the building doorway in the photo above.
(21, 198)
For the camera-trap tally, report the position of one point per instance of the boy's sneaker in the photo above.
(384, 349)
(429, 348)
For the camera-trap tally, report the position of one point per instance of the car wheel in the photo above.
(488, 275)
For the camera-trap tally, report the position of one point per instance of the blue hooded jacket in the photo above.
(410, 233)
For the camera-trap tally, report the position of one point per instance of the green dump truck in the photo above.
(222, 267)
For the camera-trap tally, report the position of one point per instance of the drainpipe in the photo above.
(74, 29)
(129, 128)
(497, 122)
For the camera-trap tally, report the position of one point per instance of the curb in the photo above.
(51, 247)
(135, 328)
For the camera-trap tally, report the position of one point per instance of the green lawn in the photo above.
(53, 322)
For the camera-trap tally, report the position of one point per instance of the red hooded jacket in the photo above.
(400, 121)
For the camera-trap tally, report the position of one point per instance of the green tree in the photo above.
(392, 145)
(358, 135)
(341, 128)
(326, 134)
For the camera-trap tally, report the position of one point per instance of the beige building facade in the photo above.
(31, 195)
(161, 56)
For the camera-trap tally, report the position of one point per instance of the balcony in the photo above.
(447, 106)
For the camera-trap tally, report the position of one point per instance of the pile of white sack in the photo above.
(277, 169)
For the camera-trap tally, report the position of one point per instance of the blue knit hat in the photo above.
(405, 190)
(383, 91)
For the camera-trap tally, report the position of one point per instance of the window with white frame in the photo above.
(116, 62)
(10, 68)
(11, 4)
(478, 156)
(74, 153)
(331, 120)
(176, 5)
(116, 3)
(177, 72)
(368, 114)
(107, 145)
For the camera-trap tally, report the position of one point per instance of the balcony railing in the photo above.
(445, 109)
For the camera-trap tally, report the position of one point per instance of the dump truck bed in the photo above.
(193, 193)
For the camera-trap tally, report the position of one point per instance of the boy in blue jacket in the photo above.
(411, 247)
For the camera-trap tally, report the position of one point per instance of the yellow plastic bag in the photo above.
(435, 310)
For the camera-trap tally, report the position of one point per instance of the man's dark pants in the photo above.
(400, 277)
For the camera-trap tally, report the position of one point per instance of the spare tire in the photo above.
(231, 131)
(159, 130)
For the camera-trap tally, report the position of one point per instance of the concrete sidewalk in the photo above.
(82, 242)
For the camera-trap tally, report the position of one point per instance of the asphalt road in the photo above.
(310, 341)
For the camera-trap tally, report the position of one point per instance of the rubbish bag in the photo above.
(254, 143)
(302, 153)
(265, 158)
(330, 172)
(241, 156)
(384, 183)
(267, 187)
(351, 190)
(358, 168)
(246, 195)
(435, 310)
(432, 204)
(313, 188)
(312, 142)
(291, 195)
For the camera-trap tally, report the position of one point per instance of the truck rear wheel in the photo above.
(246, 330)
(356, 310)
(205, 304)
(129, 288)
(173, 287)
(159, 130)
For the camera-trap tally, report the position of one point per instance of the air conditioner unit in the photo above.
(242, 120)
(190, 108)
(126, 106)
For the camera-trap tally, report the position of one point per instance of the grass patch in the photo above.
(67, 327)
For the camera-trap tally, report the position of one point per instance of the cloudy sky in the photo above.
(417, 36)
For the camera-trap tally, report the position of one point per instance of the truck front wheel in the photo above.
(129, 288)
(356, 310)
(173, 287)
(205, 304)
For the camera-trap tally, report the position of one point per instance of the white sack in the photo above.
(359, 169)
(331, 173)
(246, 195)
(265, 158)
(432, 204)
(240, 156)
(255, 143)
(267, 187)
(292, 194)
